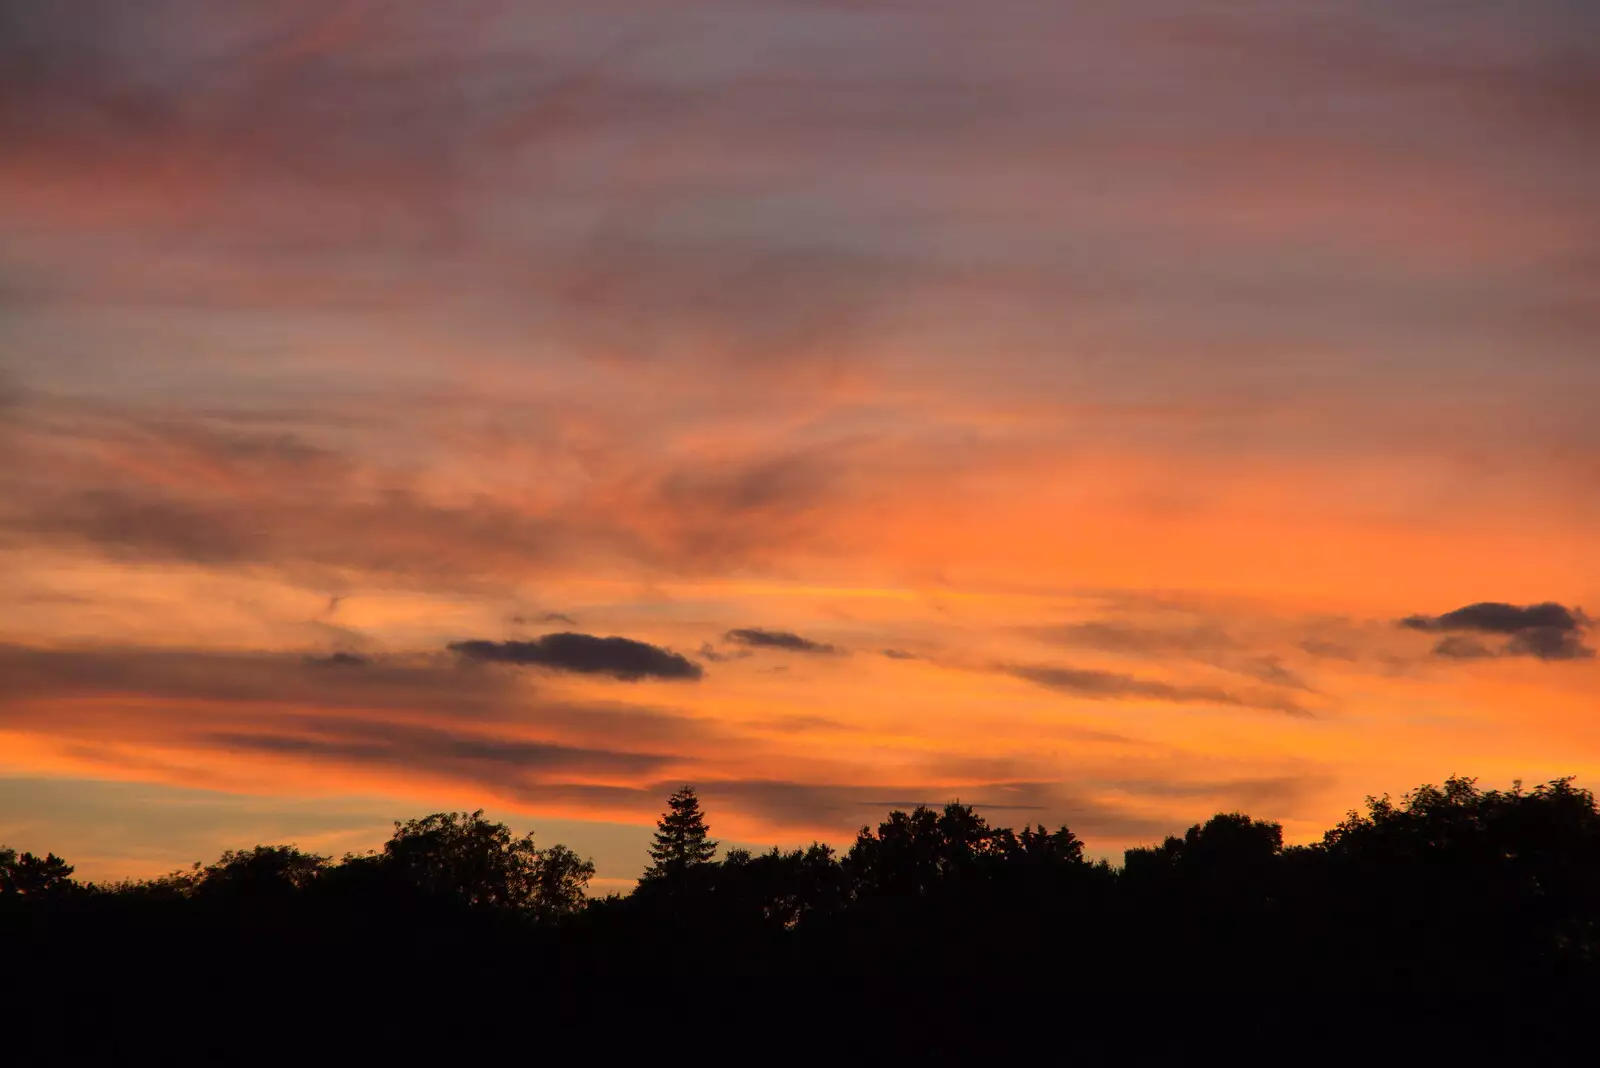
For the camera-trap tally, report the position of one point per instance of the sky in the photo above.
(1102, 414)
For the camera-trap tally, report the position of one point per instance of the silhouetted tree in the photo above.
(562, 879)
(923, 852)
(820, 885)
(1233, 860)
(179, 883)
(464, 858)
(779, 889)
(1229, 848)
(261, 875)
(1044, 868)
(1453, 913)
(1519, 870)
(27, 875)
(682, 840)
(1038, 846)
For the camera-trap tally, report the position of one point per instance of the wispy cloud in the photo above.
(1113, 686)
(788, 641)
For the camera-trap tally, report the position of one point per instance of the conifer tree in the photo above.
(681, 837)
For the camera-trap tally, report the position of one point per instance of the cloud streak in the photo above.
(258, 722)
(788, 641)
(450, 753)
(1097, 685)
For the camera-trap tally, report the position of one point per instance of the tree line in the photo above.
(1480, 906)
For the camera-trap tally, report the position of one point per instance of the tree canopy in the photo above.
(1449, 907)
(27, 875)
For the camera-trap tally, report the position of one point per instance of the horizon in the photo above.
(1104, 418)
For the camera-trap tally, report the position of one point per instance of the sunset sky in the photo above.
(1099, 413)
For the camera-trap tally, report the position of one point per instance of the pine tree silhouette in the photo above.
(681, 837)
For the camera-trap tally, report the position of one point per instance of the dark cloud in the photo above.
(1495, 617)
(900, 654)
(585, 654)
(757, 638)
(1547, 631)
(1115, 686)
(340, 659)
